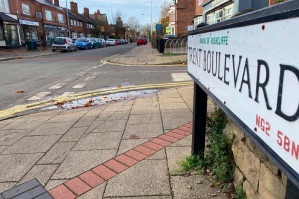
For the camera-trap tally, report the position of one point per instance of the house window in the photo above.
(25, 9)
(211, 18)
(172, 16)
(221, 14)
(2, 5)
(60, 18)
(81, 24)
(48, 15)
(72, 22)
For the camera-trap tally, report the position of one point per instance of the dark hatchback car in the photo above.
(83, 43)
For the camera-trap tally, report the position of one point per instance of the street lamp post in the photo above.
(151, 21)
(67, 18)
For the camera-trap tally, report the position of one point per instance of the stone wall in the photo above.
(260, 178)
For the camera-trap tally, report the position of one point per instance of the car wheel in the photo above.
(68, 49)
(75, 48)
(86, 47)
(53, 50)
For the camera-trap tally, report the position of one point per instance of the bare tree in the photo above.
(133, 24)
(116, 18)
(115, 15)
(146, 29)
(164, 9)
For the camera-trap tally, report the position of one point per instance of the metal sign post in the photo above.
(199, 121)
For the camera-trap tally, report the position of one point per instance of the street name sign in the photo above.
(250, 68)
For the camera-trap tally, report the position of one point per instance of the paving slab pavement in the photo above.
(126, 149)
(145, 55)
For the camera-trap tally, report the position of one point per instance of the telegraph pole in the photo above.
(151, 21)
(67, 18)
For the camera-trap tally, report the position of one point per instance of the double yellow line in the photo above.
(62, 99)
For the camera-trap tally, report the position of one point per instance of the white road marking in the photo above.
(39, 96)
(70, 79)
(68, 93)
(87, 70)
(58, 86)
(81, 74)
(79, 86)
(178, 77)
(90, 78)
(95, 67)
(95, 74)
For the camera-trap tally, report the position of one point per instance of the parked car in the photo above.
(141, 41)
(63, 44)
(83, 43)
(122, 41)
(117, 42)
(145, 41)
(95, 43)
(110, 42)
(103, 42)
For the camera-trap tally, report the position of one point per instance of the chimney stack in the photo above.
(56, 2)
(97, 15)
(86, 12)
(74, 7)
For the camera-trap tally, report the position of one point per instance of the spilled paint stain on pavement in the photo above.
(101, 100)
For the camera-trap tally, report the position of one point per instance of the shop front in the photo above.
(54, 31)
(28, 31)
(9, 34)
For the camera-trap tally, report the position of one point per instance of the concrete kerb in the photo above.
(25, 57)
(29, 108)
(145, 64)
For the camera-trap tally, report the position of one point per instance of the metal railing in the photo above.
(176, 46)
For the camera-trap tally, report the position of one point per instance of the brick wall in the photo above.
(185, 10)
(198, 9)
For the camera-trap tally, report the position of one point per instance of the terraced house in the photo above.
(9, 27)
(38, 19)
(41, 21)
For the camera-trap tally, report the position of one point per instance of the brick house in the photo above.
(89, 22)
(101, 23)
(39, 19)
(80, 25)
(219, 10)
(198, 13)
(75, 22)
(172, 19)
(9, 27)
(185, 10)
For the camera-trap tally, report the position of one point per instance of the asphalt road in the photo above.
(73, 72)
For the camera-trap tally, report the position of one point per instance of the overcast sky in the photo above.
(141, 9)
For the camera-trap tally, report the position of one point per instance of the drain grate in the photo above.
(28, 190)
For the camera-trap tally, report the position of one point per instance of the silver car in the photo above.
(110, 42)
(63, 44)
(103, 42)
